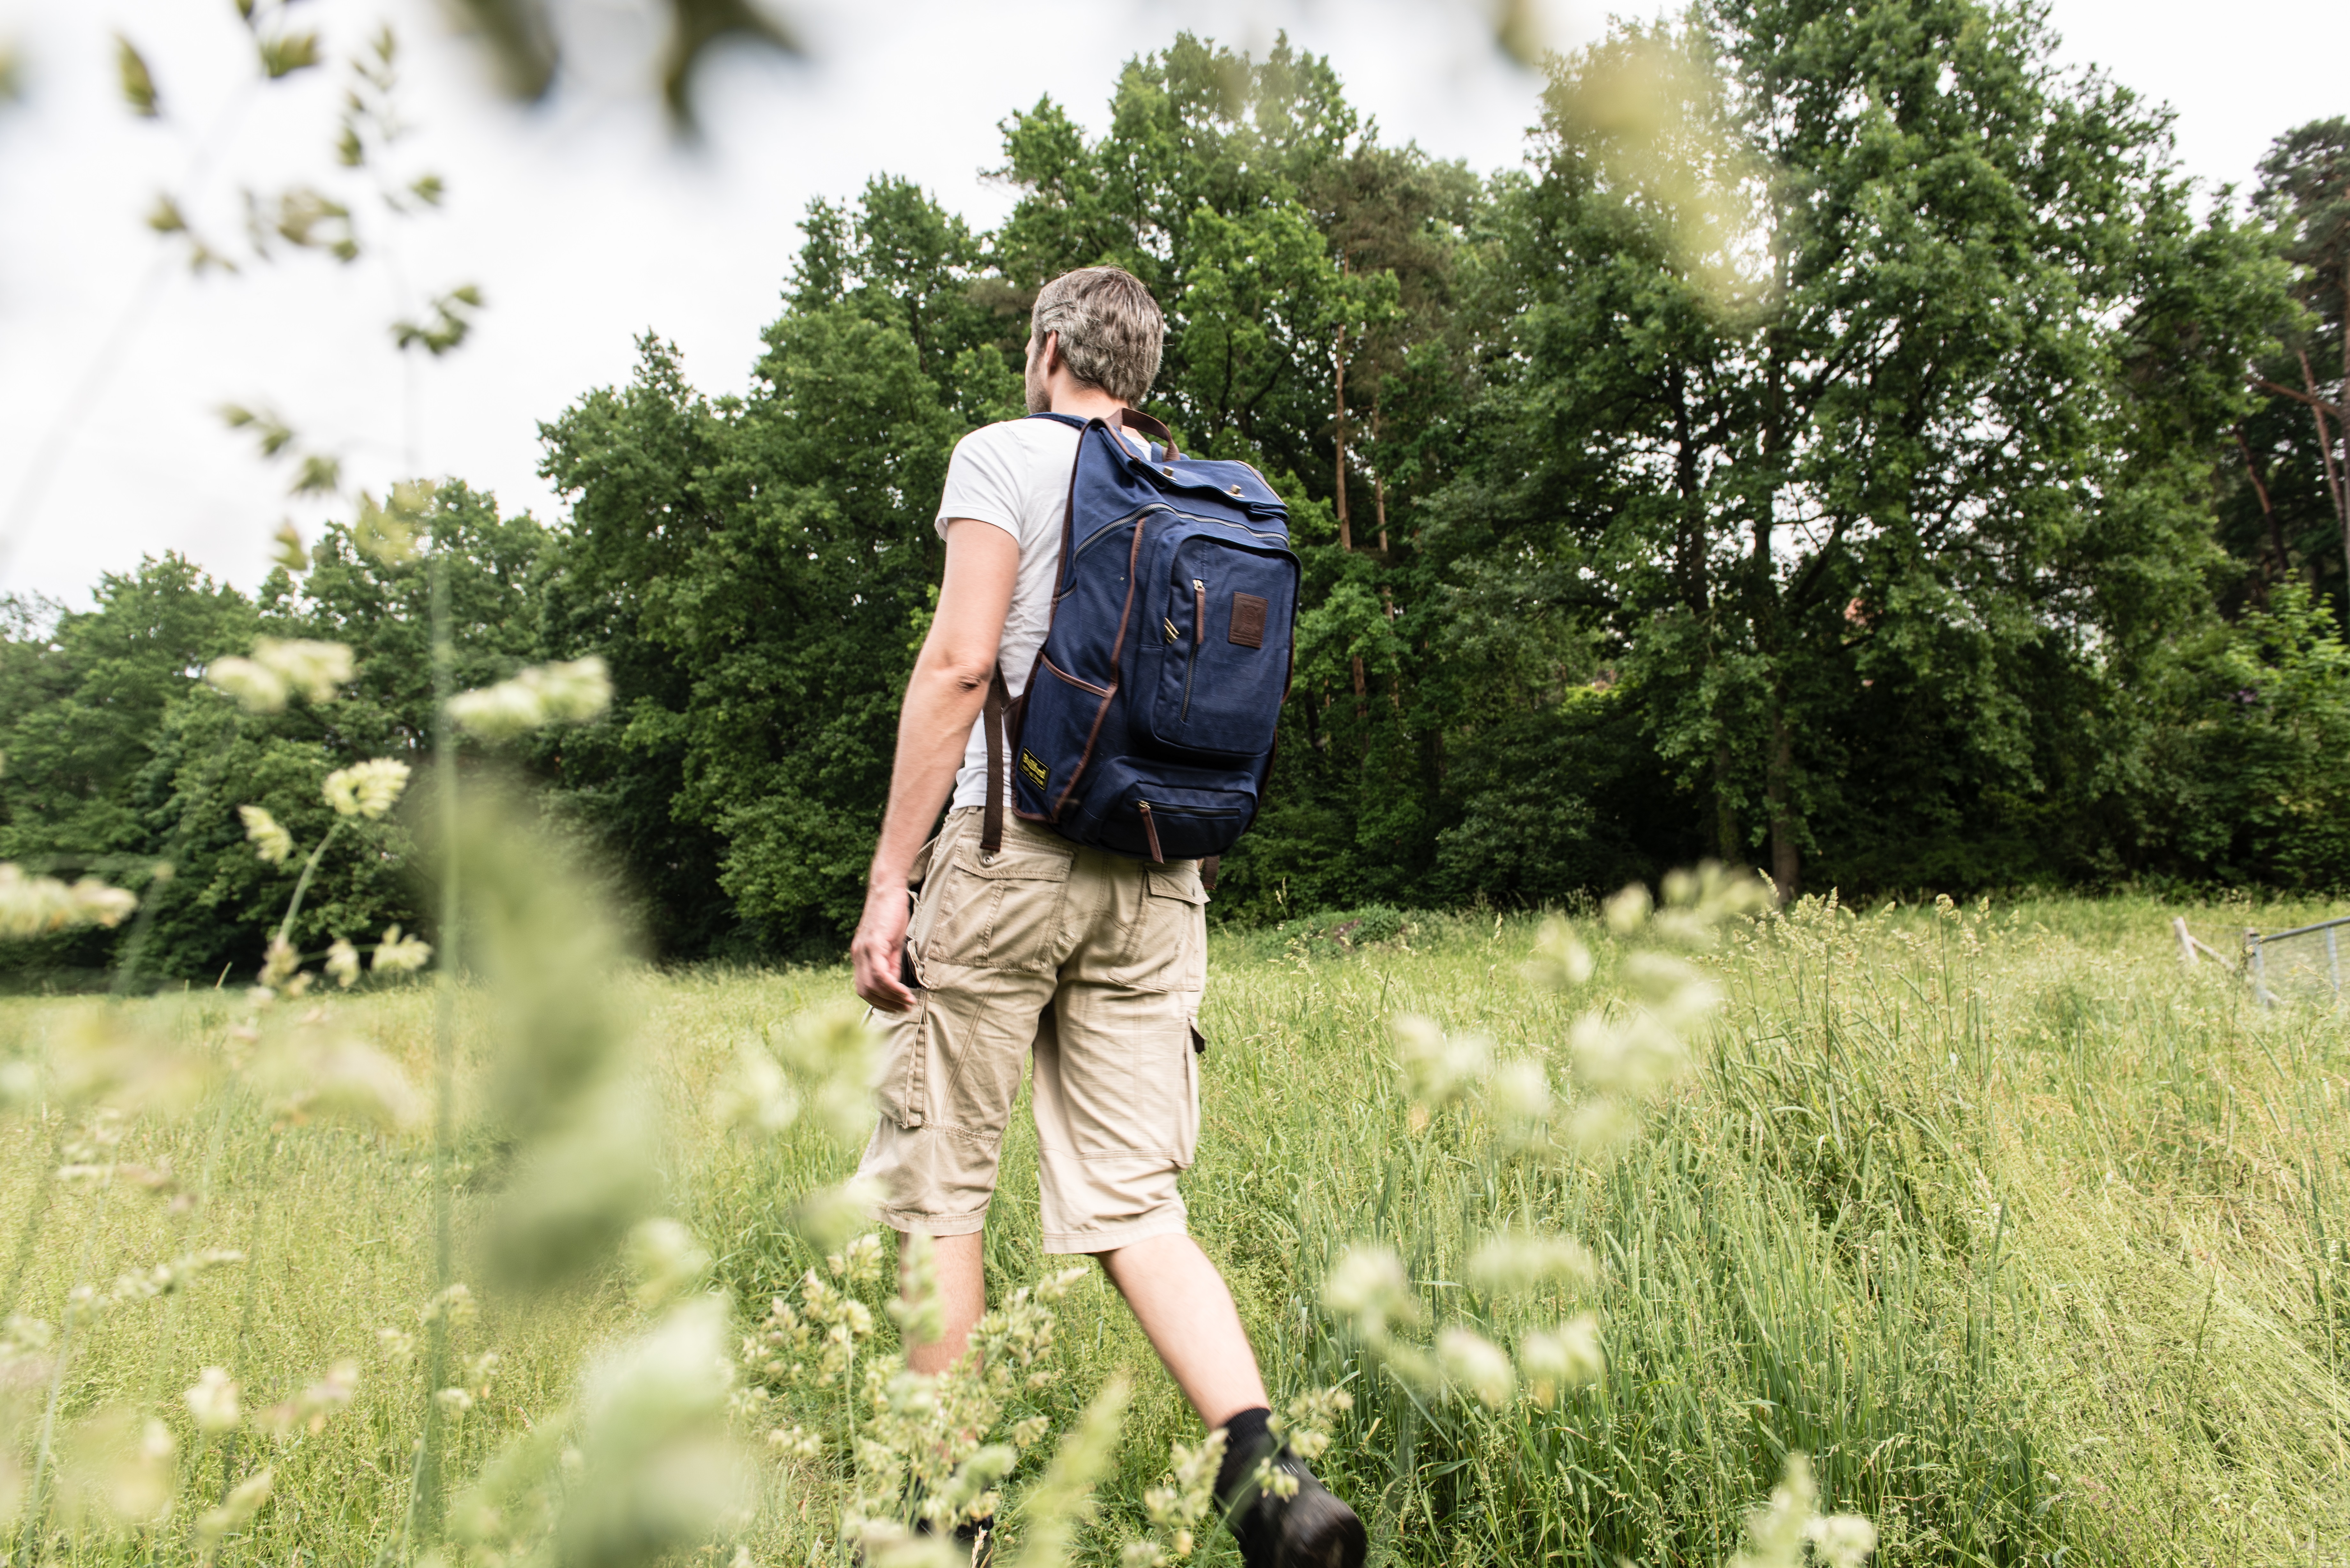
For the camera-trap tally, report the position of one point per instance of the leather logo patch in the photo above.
(1248, 620)
(1032, 768)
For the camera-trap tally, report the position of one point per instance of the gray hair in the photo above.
(1111, 331)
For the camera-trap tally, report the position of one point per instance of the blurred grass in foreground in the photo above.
(2030, 1238)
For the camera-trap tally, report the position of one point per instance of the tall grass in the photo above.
(2029, 1236)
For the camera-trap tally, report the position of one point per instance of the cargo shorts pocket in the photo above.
(1166, 948)
(901, 1065)
(1187, 1134)
(998, 911)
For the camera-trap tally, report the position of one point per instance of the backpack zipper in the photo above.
(1199, 636)
(1150, 832)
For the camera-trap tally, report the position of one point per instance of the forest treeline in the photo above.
(1846, 446)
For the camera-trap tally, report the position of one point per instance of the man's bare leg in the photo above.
(1175, 1293)
(960, 1274)
(1187, 1312)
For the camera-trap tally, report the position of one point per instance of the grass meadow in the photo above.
(2031, 1236)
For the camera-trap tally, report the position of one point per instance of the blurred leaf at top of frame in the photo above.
(1518, 31)
(522, 38)
(694, 27)
(1649, 115)
(138, 81)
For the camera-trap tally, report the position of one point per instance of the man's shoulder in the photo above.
(1022, 435)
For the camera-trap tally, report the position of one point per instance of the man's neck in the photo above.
(1086, 403)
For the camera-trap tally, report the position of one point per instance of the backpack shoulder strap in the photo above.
(991, 719)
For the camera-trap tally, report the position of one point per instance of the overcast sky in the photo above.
(586, 225)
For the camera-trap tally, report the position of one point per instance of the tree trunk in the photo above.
(1728, 844)
(2277, 565)
(1345, 530)
(2326, 450)
(1379, 487)
(1786, 860)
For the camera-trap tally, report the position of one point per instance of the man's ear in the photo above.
(1048, 353)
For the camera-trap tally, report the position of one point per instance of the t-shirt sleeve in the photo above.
(983, 480)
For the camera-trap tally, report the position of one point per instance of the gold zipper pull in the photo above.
(1172, 635)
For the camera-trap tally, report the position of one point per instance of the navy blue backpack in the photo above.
(1147, 725)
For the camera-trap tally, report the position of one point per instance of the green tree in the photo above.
(2285, 513)
(758, 571)
(1818, 320)
(88, 738)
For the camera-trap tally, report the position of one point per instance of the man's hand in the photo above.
(880, 946)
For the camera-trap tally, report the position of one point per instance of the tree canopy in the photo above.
(1848, 445)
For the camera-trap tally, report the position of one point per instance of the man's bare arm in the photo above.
(943, 699)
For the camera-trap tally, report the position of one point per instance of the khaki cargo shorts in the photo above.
(1093, 965)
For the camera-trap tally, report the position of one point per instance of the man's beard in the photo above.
(1040, 397)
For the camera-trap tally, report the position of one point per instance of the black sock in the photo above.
(1246, 1438)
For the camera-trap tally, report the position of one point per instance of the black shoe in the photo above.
(977, 1534)
(1307, 1529)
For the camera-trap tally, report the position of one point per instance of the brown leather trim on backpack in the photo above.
(992, 828)
(1125, 616)
(1135, 419)
(1209, 867)
(991, 719)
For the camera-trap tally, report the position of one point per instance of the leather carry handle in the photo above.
(1135, 419)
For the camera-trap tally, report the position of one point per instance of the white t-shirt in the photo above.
(1014, 474)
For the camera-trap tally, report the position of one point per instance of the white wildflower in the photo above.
(1561, 961)
(1473, 1363)
(1628, 911)
(859, 1263)
(256, 690)
(1306, 1422)
(1777, 1534)
(1567, 1356)
(343, 963)
(1519, 1096)
(1437, 1069)
(313, 668)
(1515, 1263)
(115, 1468)
(211, 1400)
(366, 789)
(756, 1096)
(797, 1442)
(397, 954)
(270, 841)
(665, 1259)
(234, 1513)
(279, 962)
(566, 694)
(455, 1304)
(830, 1215)
(35, 905)
(1371, 1290)
(574, 692)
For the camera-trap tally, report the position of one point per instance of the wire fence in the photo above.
(2301, 965)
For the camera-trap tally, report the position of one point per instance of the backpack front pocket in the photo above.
(1221, 651)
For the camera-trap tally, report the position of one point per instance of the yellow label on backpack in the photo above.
(1035, 770)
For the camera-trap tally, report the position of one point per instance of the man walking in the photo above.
(1091, 963)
